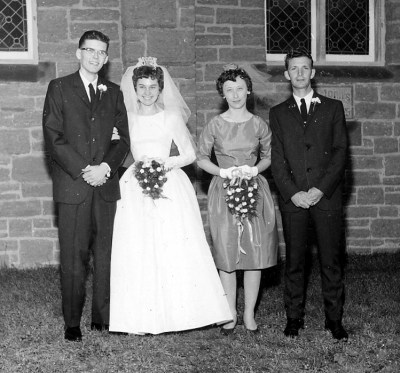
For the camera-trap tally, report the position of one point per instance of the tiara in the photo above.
(148, 61)
(230, 66)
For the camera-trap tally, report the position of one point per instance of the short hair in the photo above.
(152, 72)
(298, 52)
(94, 35)
(231, 75)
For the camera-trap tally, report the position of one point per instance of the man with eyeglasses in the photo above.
(80, 112)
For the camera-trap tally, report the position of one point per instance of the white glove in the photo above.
(249, 172)
(226, 172)
(254, 171)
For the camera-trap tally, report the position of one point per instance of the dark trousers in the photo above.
(328, 229)
(84, 228)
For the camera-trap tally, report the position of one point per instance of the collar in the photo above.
(86, 82)
(307, 98)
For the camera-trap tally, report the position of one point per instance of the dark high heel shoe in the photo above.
(227, 332)
(253, 331)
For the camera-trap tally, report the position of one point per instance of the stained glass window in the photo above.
(13, 25)
(288, 25)
(18, 39)
(347, 27)
(334, 31)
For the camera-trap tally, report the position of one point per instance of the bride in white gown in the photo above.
(163, 277)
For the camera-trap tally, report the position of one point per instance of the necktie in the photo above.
(303, 110)
(92, 93)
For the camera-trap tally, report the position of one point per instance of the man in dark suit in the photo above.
(309, 146)
(80, 112)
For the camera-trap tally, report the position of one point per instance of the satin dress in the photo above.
(163, 277)
(237, 144)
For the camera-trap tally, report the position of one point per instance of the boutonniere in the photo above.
(102, 88)
(315, 101)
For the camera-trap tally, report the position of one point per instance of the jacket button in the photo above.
(92, 119)
(309, 169)
(308, 146)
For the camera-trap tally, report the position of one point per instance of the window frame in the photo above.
(31, 55)
(318, 51)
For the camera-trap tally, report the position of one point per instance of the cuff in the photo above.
(108, 174)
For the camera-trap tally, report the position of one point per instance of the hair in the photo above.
(231, 75)
(94, 35)
(298, 52)
(152, 72)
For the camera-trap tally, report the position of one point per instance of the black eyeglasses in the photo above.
(93, 52)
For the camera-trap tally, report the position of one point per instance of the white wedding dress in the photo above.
(163, 277)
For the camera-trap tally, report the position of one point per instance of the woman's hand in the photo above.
(227, 172)
(248, 172)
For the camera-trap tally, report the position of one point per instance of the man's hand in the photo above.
(95, 175)
(301, 199)
(101, 182)
(314, 196)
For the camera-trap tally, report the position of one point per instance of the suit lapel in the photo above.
(80, 89)
(294, 110)
(313, 108)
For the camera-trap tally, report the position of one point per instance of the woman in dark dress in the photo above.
(243, 241)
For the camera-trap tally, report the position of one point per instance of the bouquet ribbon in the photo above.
(240, 234)
(241, 198)
(240, 248)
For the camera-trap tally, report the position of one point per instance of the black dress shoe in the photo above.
(337, 330)
(73, 334)
(293, 326)
(99, 327)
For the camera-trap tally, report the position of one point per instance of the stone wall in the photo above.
(193, 38)
(232, 31)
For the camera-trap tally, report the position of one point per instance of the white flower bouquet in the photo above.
(151, 177)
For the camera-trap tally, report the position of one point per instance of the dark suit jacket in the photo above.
(309, 156)
(77, 135)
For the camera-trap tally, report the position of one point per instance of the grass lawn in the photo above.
(31, 330)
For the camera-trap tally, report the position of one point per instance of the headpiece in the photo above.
(230, 66)
(147, 61)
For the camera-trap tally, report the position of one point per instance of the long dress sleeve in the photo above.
(183, 141)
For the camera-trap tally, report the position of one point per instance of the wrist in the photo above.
(107, 169)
